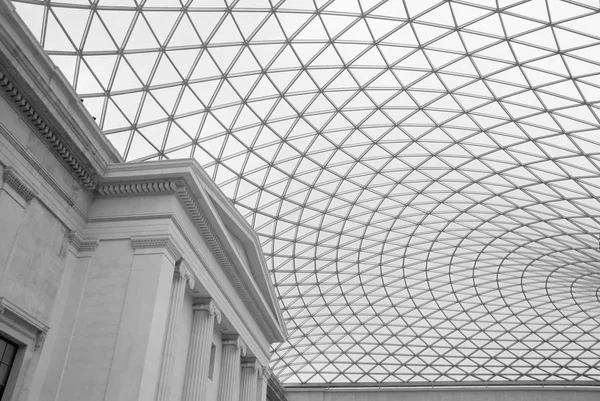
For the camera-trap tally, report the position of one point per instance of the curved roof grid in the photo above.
(423, 175)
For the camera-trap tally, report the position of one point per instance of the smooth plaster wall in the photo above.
(33, 251)
(90, 357)
(64, 317)
(33, 256)
(446, 395)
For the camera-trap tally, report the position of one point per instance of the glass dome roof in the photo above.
(423, 175)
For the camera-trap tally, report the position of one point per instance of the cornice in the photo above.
(83, 244)
(153, 241)
(52, 138)
(137, 188)
(195, 211)
(13, 178)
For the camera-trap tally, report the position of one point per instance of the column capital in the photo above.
(183, 270)
(235, 341)
(156, 241)
(83, 244)
(210, 306)
(251, 363)
(265, 372)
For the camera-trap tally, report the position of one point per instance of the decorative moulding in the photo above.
(156, 241)
(183, 270)
(210, 307)
(13, 178)
(237, 342)
(83, 244)
(137, 188)
(25, 320)
(55, 142)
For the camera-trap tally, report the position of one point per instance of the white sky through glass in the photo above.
(423, 175)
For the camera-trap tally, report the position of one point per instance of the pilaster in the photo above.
(196, 374)
(137, 360)
(153, 244)
(229, 383)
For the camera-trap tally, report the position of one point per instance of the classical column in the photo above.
(249, 380)
(196, 372)
(181, 276)
(263, 380)
(229, 381)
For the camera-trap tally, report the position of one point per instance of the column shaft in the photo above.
(196, 373)
(263, 379)
(249, 381)
(229, 382)
(180, 278)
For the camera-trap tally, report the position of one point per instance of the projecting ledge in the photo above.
(24, 321)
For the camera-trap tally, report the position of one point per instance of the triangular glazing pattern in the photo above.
(424, 175)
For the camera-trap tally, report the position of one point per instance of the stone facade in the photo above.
(117, 281)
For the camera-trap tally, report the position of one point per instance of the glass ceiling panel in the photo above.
(423, 175)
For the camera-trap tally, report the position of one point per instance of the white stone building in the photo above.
(117, 281)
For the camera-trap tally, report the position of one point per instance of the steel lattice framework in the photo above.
(424, 175)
